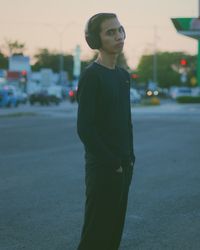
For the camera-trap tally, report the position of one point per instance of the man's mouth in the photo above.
(119, 45)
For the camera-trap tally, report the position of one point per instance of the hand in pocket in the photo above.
(119, 170)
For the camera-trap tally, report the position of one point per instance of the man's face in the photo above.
(112, 36)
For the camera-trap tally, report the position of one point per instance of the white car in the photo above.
(180, 91)
(135, 97)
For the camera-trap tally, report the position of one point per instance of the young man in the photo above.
(105, 128)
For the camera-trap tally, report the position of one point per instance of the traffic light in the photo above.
(23, 73)
(134, 76)
(183, 62)
(23, 77)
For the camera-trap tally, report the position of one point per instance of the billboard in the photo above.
(19, 63)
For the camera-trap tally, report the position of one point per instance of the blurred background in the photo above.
(42, 186)
(43, 49)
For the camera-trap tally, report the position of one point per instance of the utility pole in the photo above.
(155, 56)
(61, 59)
(199, 9)
(198, 56)
(77, 62)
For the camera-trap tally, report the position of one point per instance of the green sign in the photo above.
(188, 26)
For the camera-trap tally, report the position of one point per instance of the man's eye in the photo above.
(111, 32)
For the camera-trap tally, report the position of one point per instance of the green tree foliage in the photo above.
(3, 61)
(15, 47)
(168, 65)
(46, 59)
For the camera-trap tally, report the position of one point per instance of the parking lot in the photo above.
(42, 179)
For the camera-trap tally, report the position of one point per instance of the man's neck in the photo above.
(106, 60)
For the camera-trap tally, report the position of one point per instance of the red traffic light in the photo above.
(71, 93)
(183, 62)
(134, 76)
(24, 73)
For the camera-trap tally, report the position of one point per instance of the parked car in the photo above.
(196, 91)
(7, 99)
(21, 96)
(180, 91)
(135, 97)
(43, 98)
(55, 92)
(38, 97)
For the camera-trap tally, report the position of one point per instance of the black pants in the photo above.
(105, 207)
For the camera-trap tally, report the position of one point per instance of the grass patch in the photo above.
(18, 114)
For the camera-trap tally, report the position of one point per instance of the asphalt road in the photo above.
(42, 181)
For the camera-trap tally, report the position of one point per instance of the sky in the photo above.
(59, 24)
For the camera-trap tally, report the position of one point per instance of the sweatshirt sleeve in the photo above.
(131, 134)
(86, 127)
(132, 147)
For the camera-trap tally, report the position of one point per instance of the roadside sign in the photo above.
(190, 27)
(183, 78)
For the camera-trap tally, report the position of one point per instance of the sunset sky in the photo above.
(47, 23)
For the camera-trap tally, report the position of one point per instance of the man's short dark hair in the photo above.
(93, 29)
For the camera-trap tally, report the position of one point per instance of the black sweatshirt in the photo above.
(104, 114)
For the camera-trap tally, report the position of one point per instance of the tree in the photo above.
(46, 59)
(3, 61)
(167, 62)
(15, 47)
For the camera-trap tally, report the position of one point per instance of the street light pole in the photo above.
(199, 9)
(155, 57)
(60, 36)
(198, 54)
(61, 60)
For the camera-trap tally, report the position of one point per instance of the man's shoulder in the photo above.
(89, 71)
(88, 78)
(124, 72)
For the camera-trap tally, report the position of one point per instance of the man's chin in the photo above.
(117, 51)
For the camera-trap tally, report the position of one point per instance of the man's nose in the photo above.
(120, 36)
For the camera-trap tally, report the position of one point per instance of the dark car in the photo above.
(43, 98)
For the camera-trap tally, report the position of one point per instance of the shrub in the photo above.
(151, 101)
(188, 99)
(155, 101)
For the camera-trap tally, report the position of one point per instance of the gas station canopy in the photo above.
(188, 26)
